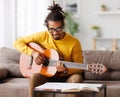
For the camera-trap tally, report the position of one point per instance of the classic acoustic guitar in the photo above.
(28, 66)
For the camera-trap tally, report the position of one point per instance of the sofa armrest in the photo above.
(3, 73)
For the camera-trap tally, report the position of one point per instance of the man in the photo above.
(67, 46)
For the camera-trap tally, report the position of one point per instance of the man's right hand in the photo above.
(38, 57)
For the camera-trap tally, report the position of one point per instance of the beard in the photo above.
(56, 38)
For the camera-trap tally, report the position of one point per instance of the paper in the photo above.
(64, 87)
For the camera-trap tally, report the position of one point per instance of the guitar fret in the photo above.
(70, 64)
(75, 65)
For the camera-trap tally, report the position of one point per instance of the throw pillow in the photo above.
(9, 58)
(3, 72)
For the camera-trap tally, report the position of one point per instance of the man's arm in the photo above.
(21, 44)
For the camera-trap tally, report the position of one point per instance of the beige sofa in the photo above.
(13, 84)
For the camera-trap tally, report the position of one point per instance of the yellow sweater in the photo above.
(69, 46)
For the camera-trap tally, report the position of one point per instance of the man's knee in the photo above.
(35, 75)
(75, 78)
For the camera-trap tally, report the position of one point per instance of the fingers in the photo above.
(60, 67)
(38, 58)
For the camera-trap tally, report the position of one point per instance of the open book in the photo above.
(69, 87)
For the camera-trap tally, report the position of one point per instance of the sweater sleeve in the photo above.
(21, 44)
(77, 53)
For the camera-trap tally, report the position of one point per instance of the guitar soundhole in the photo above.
(46, 62)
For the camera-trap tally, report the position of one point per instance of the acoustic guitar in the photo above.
(28, 66)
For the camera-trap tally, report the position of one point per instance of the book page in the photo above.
(82, 87)
(56, 86)
(69, 87)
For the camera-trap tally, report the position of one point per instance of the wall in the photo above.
(2, 23)
(35, 15)
(40, 13)
(7, 26)
(87, 16)
(109, 23)
(9, 23)
(32, 15)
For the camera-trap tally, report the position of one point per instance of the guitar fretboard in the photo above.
(70, 64)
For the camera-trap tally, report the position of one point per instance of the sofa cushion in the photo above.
(11, 55)
(113, 88)
(92, 56)
(3, 72)
(114, 75)
(97, 56)
(14, 87)
(115, 61)
(111, 59)
(9, 58)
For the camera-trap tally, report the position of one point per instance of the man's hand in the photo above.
(60, 67)
(38, 57)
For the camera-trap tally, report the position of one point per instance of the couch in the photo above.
(13, 84)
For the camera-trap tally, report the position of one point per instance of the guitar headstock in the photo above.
(97, 68)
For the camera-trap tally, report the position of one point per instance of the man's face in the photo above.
(56, 29)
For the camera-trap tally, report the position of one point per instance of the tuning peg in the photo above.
(104, 69)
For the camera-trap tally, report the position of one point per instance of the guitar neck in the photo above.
(72, 65)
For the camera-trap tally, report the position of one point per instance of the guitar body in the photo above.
(28, 66)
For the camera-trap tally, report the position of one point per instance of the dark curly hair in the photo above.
(56, 14)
